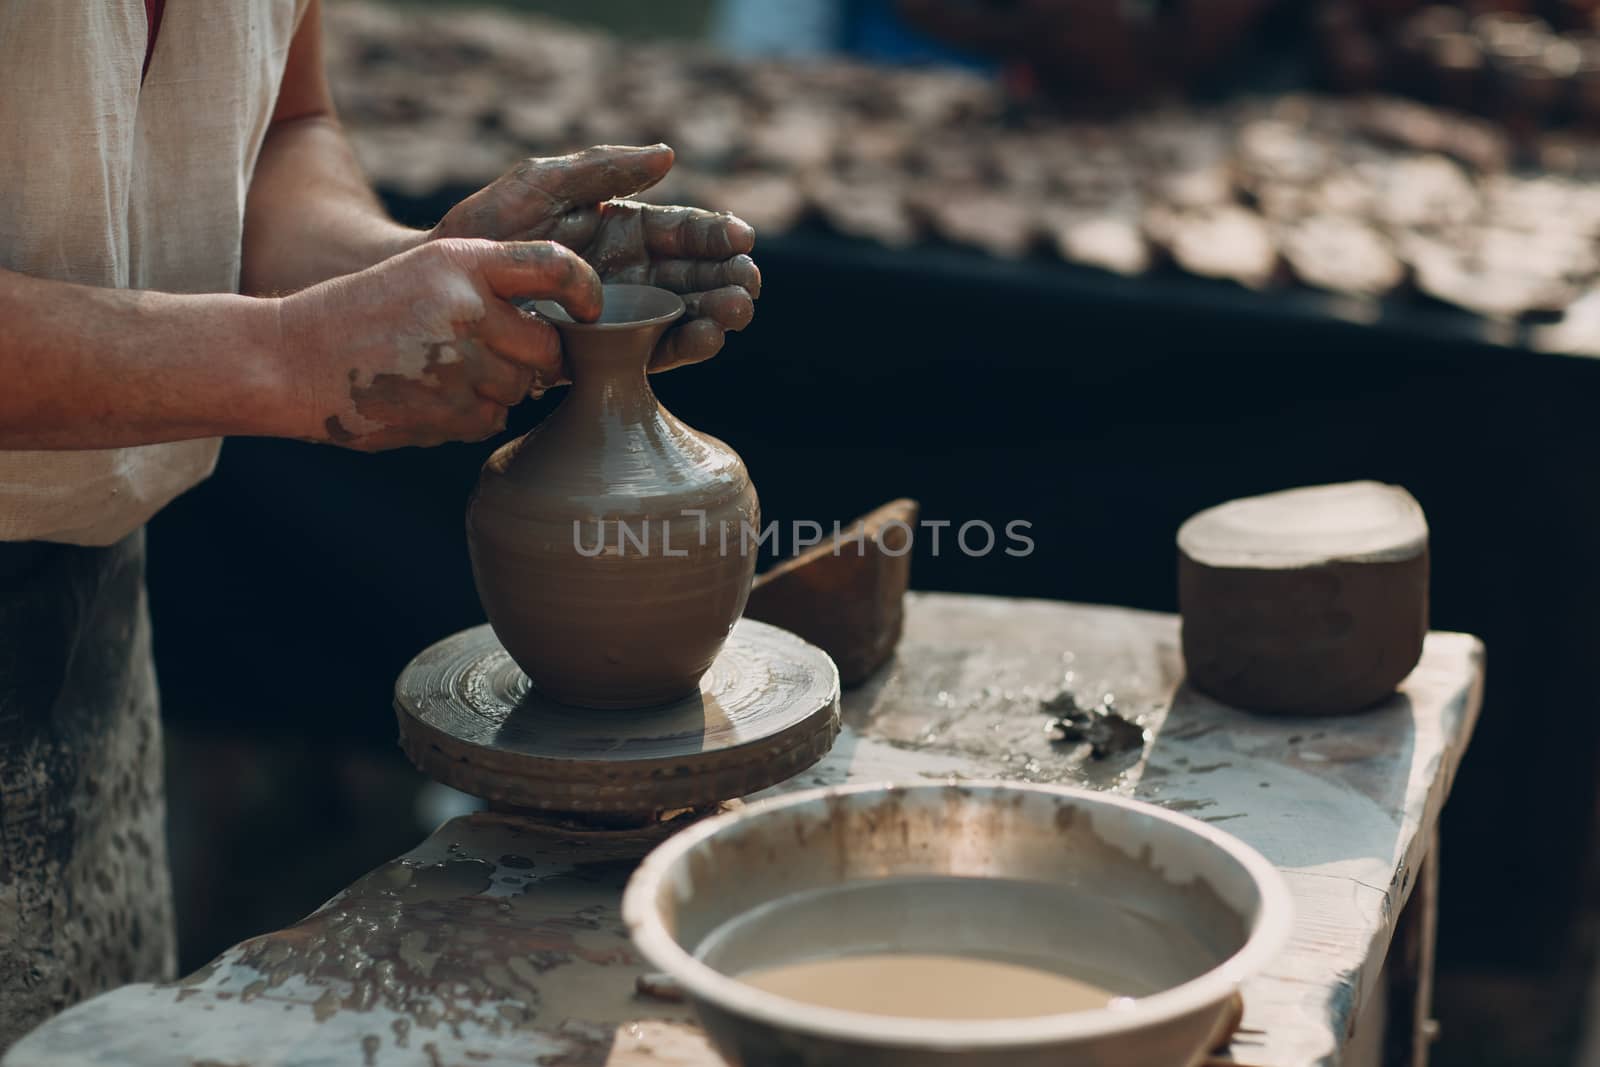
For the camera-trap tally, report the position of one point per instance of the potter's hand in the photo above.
(427, 346)
(575, 200)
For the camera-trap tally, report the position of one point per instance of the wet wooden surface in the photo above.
(495, 942)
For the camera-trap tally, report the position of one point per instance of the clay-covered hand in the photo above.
(580, 202)
(428, 346)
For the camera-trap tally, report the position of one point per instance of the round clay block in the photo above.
(1311, 601)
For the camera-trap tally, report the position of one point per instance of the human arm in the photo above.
(88, 367)
(426, 347)
(311, 215)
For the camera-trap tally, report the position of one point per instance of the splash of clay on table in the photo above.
(1101, 727)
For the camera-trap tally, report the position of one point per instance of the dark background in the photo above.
(292, 587)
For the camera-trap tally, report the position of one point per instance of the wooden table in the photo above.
(497, 941)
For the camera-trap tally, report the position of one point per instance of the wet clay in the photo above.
(610, 544)
(767, 709)
(1311, 601)
(929, 986)
(451, 946)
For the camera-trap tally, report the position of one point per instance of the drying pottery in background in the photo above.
(1310, 601)
(609, 544)
(1412, 203)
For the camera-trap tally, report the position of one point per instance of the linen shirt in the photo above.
(110, 180)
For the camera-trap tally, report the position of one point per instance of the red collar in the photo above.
(153, 10)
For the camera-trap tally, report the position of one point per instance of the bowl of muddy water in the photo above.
(984, 923)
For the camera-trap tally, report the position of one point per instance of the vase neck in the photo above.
(609, 368)
(608, 359)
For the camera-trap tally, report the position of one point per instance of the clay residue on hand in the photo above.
(389, 399)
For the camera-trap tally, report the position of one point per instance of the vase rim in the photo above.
(623, 307)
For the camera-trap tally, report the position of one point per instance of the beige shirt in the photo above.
(104, 181)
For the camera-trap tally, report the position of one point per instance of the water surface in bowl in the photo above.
(923, 985)
(954, 948)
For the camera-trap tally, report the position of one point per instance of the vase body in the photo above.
(613, 546)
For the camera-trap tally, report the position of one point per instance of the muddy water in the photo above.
(957, 948)
(929, 986)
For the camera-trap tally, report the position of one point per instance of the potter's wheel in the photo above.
(767, 709)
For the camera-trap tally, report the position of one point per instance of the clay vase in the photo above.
(613, 546)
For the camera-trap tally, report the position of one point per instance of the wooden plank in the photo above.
(495, 943)
(1410, 968)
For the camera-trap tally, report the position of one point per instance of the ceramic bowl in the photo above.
(1174, 910)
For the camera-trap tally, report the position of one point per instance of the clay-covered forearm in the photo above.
(86, 367)
(311, 215)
